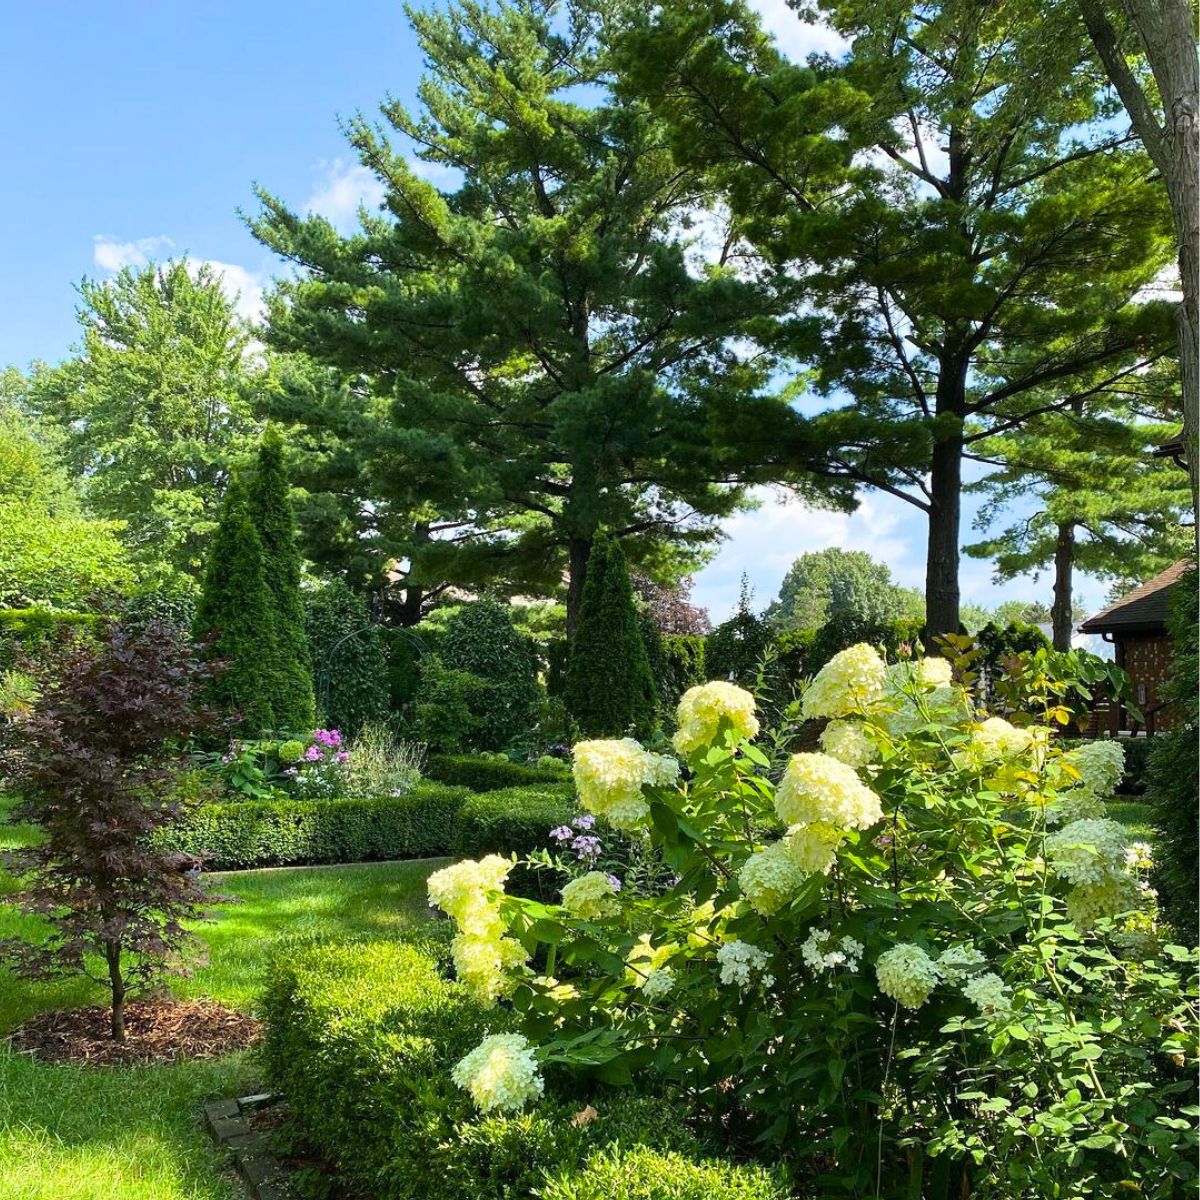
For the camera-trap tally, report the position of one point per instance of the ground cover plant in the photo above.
(921, 959)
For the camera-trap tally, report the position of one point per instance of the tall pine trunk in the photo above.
(945, 514)
(1061, 621)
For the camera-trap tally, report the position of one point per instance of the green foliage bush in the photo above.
(286, 832)
(1172, 780)
(361, 1039)
(403, 652)
(734, 649)
(487, 774)
(481, 639)
(683, 667)
(513, 820)
(348, 660)
(610, 689)
(23, 630)
(447, 711)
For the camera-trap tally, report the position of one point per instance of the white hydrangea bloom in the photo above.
(701, 709)
(998, 740)
(907, 974)
(821, 953)
(956, 963)
(590, 897)
(1088, 903)
(740, 962)
(1101, 765)
(658, 983)
(1139, 856)
(818, 789)
(849, 682)
(934, 672)
(988, 993)
(462, 891)
(813, 848)
(848, 742)
(483, 964)
(610, 775)
(501, 1073)
(769, 878)
(1088, 851)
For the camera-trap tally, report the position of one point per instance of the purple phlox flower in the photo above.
(585, 821)
(227, 758)
(883, 841)
(291, 771)
(314, 754)
(614, 881)
(342, 756)
(564, 833)
(586, 847)
(328, 737)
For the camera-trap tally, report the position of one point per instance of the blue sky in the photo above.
(136, 130)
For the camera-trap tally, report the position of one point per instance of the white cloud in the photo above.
(795, 38)
(109, 254)
(243, 286)
(344, 188)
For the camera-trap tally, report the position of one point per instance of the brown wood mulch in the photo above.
(156, 1031)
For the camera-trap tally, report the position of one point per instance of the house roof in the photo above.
(1172, 448)
(1144, 610)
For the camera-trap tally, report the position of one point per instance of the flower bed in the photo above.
(362, 1039)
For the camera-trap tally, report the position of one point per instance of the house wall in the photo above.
(1147, 661)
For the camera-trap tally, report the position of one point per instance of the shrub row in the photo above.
(361, 1039)
(488, 774)
(432, 819)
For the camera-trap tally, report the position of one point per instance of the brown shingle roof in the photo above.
(1144, 610)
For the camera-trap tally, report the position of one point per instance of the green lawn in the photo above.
(69, 1133)
(1136, 815)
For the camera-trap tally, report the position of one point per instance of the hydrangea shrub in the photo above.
(920, 961)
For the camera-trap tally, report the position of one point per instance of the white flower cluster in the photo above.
(848, 743)
(988, 992)
(501, 1073)
(590, 897)
(958, 962)
(1100, 764)
(483, 953)
(818, 789)
(610, 775)
(822, 953)
(1088, 851)
(740, 962)
(851, 681)
(769, 878)
(907, 974)
(813, 848)
(702, 709)
(658, 983)
(997, 740)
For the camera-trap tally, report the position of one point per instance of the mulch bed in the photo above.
(156, 1031)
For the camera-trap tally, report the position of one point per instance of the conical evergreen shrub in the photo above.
(237, 613)
(291, 677)
(610, 687)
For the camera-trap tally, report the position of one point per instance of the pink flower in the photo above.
(343, 756)
(313, 754)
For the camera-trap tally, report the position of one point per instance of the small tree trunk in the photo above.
(116, 982)
(579, 550)
(1064, 568)
(941, 564)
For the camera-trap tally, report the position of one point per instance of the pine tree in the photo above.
(236, 612)
(610, 687)
(270, 508)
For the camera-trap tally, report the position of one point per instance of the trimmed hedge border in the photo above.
(432, 820)
(488, 774)
(360, 1039)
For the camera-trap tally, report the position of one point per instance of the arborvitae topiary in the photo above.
(1173, 779)
(349, 663)
(481, 639)
(236, 613)
(291, 681)
(610, 688)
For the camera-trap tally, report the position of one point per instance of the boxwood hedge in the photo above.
(361, 1037)
(489, 774)
(433, 819)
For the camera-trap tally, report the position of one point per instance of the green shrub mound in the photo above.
(23, 630)
(489, 774)
(289, 832)
(361, 1039)
(433, 819)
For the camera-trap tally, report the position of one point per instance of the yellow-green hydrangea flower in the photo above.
(590, 897)
(769, 878)
(850, 681)
(907, 974)
(501, 1073)
(702, 709)
(817, 789)
(610, 775)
